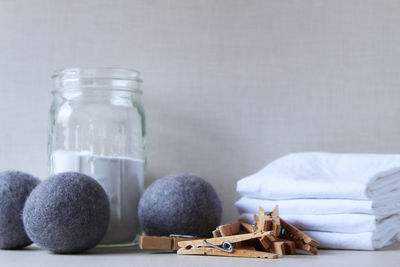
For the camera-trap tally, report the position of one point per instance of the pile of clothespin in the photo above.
(269, 237)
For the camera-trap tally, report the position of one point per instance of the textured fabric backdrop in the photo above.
(228, 85)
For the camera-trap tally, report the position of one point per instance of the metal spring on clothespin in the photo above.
(226, 246)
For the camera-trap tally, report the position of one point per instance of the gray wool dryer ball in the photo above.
(15, 188)
(67, 213)
(180, 204)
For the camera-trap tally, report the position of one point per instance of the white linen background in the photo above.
(228, 85)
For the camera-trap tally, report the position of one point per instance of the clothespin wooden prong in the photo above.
(161, 242)
(229, 229)
(301, 245)
(299, 234)
(248, 253)
(216, 233)
(276, 224)
(265, 242)
(247, 227)
(290, 247)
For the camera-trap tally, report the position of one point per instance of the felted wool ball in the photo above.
(180, 204)
(67, 213)
(15, 187)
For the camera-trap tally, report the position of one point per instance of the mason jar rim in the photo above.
(116, 79)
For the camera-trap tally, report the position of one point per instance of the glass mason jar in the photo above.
(97, 127)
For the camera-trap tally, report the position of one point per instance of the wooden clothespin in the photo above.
(225, 245)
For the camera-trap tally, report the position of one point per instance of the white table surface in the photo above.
(32, 256)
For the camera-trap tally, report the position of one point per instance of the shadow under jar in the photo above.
(97, 127)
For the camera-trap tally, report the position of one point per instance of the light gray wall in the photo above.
(229, 85)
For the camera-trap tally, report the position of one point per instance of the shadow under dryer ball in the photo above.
(15, 188)
(67, 213)
(180, 204)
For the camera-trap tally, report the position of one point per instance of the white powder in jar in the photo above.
(121, 178)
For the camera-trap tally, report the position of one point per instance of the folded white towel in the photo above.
(380, 209)
(346, 201)
(326, 175)
(358, 241)
(343, 231)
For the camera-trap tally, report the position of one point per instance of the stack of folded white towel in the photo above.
(345, 201)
